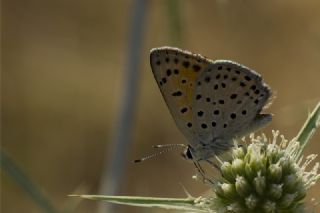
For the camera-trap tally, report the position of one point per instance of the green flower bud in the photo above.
(226, 170)
(273, 153)
(301, 191)
(275, 191)
(269, 206)
(290, 182)
(218, 190)
(287, 200)
(238, 166)
(251, 201)
(260, 184)
(257, 162)
(229, 190)
(298, 208)
(235, 207)
(250, 173)
(238, 153)
(274, 173)
(285, 164)
(242, 186)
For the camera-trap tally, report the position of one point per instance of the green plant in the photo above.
(267, 175)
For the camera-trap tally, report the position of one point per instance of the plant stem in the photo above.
(8, 165)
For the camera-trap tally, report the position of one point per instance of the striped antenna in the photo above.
(169, 147)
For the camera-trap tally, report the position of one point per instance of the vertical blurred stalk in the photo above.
(174, 22)
(116, 161)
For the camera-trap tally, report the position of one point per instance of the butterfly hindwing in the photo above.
(228, 101)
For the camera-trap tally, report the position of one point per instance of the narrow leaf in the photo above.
(308, 129)
(166, 203)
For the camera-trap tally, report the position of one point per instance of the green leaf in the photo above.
(187, 204)
(308, 129)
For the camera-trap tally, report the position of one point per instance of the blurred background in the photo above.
(65, 70)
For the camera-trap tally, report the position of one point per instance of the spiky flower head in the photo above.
(265, 176)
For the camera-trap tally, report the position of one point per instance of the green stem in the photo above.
(25, 183)
(308, 129)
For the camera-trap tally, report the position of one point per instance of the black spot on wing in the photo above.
(186, 64)
(200, 113)
(204, 126)
(177, 93)
(169, 72)
(196, 67)
(184, 110)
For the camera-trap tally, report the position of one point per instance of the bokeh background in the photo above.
(64, 67)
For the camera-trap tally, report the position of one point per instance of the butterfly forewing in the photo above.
(176, 72)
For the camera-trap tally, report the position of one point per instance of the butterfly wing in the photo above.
(227, 103)
(176, 72)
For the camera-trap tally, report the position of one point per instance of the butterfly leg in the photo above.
(213, 164)
(202, 173)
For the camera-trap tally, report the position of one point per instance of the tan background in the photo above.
(62, 77)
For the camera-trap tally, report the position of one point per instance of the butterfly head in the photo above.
(187, 154)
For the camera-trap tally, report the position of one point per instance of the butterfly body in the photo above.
(212, 102)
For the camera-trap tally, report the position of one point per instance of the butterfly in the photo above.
(211, 102)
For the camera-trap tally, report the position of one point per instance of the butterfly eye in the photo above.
(186, 154)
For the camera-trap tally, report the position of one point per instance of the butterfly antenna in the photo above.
(169, 147)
